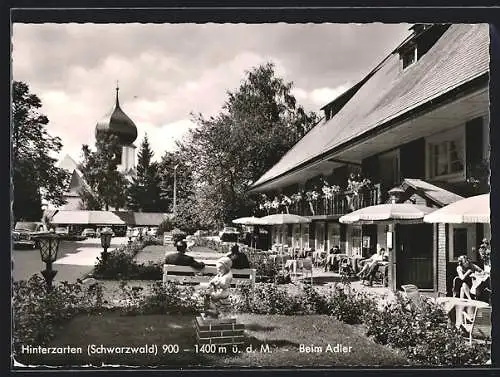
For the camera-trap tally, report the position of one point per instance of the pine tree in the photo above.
(99, 169)
(144, 190)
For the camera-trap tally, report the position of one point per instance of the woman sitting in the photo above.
(465, 273)
(218, 288)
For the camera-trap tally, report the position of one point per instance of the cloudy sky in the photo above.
(167, 71)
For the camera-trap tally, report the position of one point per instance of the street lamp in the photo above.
(175, 189)
(48, 242)
(106, 235)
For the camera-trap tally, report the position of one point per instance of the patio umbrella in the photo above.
(394, 213)
(475, 209)
(282, 218)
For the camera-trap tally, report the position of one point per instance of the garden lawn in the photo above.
(283, 335)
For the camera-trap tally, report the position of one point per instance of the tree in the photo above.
(183, 178)
(144, 190)
(259, 123)
(107, 186)
(35, 174)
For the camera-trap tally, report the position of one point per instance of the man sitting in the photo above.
(239, 260)
(179, 258)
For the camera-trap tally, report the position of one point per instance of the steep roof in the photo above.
(459, 56)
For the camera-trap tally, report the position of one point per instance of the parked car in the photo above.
(229, 234)
(89, 232)
(153, 231)
(23, 233)
(62, 231)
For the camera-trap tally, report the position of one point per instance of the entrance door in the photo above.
(414, 255)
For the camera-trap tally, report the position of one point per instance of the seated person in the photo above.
(217, 289)
(370, 263)
(332, 263)
(483, 282)
(239, 260)
(466, 271)
(179, 258)
(380, 266)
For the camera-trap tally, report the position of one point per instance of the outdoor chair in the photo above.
(306, 268)
(345, 266)
(478, 326)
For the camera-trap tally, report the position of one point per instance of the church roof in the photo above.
(119, 124)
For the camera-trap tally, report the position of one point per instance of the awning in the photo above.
(109, 218)
(105, 218)
(395, 212)
(71, 217)
(475, 209)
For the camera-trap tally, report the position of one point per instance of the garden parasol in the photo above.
(475, 209)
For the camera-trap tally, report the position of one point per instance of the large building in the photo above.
(416, 125)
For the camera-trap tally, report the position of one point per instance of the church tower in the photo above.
(120, 125)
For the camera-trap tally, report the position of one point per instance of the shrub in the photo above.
(121, 265)
(423, 334)
(151, 240)
(38, 313)
(348, 305)
(166, 225)
(169, 298)
(178, 235)
(269, 298)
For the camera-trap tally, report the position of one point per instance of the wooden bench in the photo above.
(190, 275)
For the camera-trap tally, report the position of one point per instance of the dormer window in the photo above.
(409, 55)
(423, 38)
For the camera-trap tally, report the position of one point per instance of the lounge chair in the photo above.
(478, 326)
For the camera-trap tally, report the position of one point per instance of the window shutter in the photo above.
(473, 144)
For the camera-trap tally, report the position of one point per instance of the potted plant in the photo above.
(286, 202)
(356, 185)
(312, 197)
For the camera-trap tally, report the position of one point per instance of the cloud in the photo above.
(167, 71)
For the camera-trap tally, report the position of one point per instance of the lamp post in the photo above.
(48, 242)
(106, 235)
(175, 189)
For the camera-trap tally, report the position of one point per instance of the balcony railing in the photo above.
(338, 205)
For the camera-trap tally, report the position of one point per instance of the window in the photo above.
(409, 56)
(446, 154)
(462, 239)
(333, 235)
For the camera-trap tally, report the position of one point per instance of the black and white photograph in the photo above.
(236, 195)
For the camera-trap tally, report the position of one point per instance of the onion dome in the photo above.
(118, 124)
